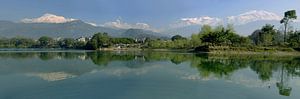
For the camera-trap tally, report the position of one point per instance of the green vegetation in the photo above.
(99, 40)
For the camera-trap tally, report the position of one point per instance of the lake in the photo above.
(146, 75)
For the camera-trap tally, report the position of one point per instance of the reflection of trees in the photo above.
(42, 55)
(168, 56)
(218, 67)
(290, 68)
(205, 63)
(47, 56)
(264, 68)
(103, 58)
(283, 86)
(208, 65)
(16, 55)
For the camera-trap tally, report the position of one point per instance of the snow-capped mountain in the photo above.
(48, 18)
(59, 26)
(252, 16)
(244, 23)
(196, 21)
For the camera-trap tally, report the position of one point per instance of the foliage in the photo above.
(266, 36)
(294, 40)
(220, 36)
(67, 43)
(178, 37)
(46, 42)
(99, 40)
(20, 42)
(122, 40)
(169, 44)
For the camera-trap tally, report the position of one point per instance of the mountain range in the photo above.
(78, 28)
(73, 29)
(59, 26)
(244, 29)
(244, 23)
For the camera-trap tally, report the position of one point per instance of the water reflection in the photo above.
(283, 69)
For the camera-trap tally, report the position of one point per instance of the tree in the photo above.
(195, 41)
(205, 29)
(46, 42)
(219, 35)
(268, 33)
(99, 40)
(207, 34)
(178, 37)
(67, 43)
(21, 42)
(288, 16)
(266, 36)
(122, 40)
(294, 39)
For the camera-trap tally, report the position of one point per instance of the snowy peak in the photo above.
(119, 24)
(254, 15)
(244, 18)
(202, 20)
(48, 18)
(205, 20)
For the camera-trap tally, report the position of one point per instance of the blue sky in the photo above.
(157, 13)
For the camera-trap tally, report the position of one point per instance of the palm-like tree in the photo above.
(288, 16)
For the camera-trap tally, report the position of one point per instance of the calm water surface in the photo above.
(146, 75)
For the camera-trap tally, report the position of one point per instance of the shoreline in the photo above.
(276, 53)
(212, 52)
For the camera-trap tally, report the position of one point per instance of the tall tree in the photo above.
(288, 16)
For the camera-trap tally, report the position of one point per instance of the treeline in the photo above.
(267, 36)
(42, 42)
(220, 35)
(103, 40)
(97, 41)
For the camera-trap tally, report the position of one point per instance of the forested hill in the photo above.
(72, 29)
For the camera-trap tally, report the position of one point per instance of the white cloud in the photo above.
(252, 16)
(48, 18)
(123, 25)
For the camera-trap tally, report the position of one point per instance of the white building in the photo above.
(81, 39)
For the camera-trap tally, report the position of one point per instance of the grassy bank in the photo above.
(277, 51)
(222, 50)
